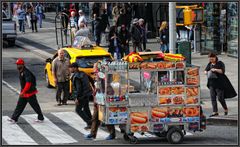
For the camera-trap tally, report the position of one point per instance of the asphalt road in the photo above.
(46, 97)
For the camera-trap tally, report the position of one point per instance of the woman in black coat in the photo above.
(114, 43)
(218, 83)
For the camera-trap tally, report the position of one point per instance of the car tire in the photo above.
(47, 80)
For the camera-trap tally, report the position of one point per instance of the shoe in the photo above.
(87, 127)
(89, 137)
(12, 121)
(214, 114)
(38, 121)
(59, 104)
(110, 137)
(226, 113)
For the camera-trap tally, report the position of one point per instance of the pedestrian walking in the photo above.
(15, 14)
(65, 20)
(61, 75)
(124, 38)
(95, 120)
(114, 43)
(105, 21)
(28, 93)
(21, 19)
(82, 18)
(82, 91)
(116, 12)
(218, 84)
(143, 33)
(136, 36)
(73, 23)
(121, 20)
(28, 16)
(164, 37)
(128, 10)
(39, 11)
(33, 19)
(97, 23)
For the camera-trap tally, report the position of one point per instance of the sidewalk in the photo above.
(44, 44)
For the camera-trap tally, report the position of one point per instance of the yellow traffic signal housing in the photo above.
(187, 16)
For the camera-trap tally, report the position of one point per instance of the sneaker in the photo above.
(87, 127)
(11, 121)
(214, 114)
(38, 121)
(89, 137)
(110, 137)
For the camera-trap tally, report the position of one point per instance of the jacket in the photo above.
(21, 14)
(28, 83)
(81, 86)
(124, 36)
(164, 36)
(136, 34)
(222, 82)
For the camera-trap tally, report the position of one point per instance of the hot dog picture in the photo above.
(163, 100)
(193, 71)
(138, 117)
(191, 100)
(180, 65)
(191, 111)
(160, 112)
(192, 81)
(192, 91)
(134, 128)
(178, 100)
(152, 65)
(161, 65)
(165, 91)
(177, 90)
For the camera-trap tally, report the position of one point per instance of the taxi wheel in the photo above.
(47, 80)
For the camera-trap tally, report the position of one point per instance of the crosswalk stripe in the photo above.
(49, 130)
(75, 121)
(138, 135)
(14, 135)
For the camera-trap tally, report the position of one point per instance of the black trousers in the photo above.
(62, 86)
(83, 111)
(144, 46)
(137, 45)
(22, 102)
(220, 94)
(34, 25)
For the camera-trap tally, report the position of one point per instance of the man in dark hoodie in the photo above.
(82, 91)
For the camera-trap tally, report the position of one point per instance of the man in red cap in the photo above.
(28, 93)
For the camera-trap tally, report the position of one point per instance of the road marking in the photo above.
(75, 121)
(138, 135)
(14, 135)
(49, 130)
(9, 86)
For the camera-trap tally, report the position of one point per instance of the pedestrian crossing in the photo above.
(54, 133)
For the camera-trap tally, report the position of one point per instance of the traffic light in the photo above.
(187, 14)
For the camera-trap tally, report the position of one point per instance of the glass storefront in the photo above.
(232, 29)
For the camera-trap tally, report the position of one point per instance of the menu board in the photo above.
(117, 115)
(139, 122)
(175, 114)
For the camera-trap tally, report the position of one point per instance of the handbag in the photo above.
(211, 75)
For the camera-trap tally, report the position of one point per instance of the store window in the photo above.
(232, 29)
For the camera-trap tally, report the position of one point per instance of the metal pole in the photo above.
(172, 31)
(172, 27)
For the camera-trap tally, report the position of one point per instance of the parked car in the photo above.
(9, 30)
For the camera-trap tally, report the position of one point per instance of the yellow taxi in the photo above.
(81, 52)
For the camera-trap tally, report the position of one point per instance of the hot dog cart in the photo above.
(158, 97)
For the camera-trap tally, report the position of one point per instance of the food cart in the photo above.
(158, 97)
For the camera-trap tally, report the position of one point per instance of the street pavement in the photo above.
(62, 126)
(43, 43)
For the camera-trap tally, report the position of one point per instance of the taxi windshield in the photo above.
(88, 62)
(81, 42)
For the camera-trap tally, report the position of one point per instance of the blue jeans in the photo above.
(21, 26)
(165, 48)
(40, 20)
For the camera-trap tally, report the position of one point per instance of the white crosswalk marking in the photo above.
(14, 135)
(72, 119)
(49, 130)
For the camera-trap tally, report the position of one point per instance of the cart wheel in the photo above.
(125, 136)
(133, 140)
(175, 135)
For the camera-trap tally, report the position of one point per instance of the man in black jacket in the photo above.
(136, 35)
(28, 93)
(82, 91)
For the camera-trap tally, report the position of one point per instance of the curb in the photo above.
(222, 121)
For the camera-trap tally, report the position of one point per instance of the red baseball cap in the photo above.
(20, 61)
